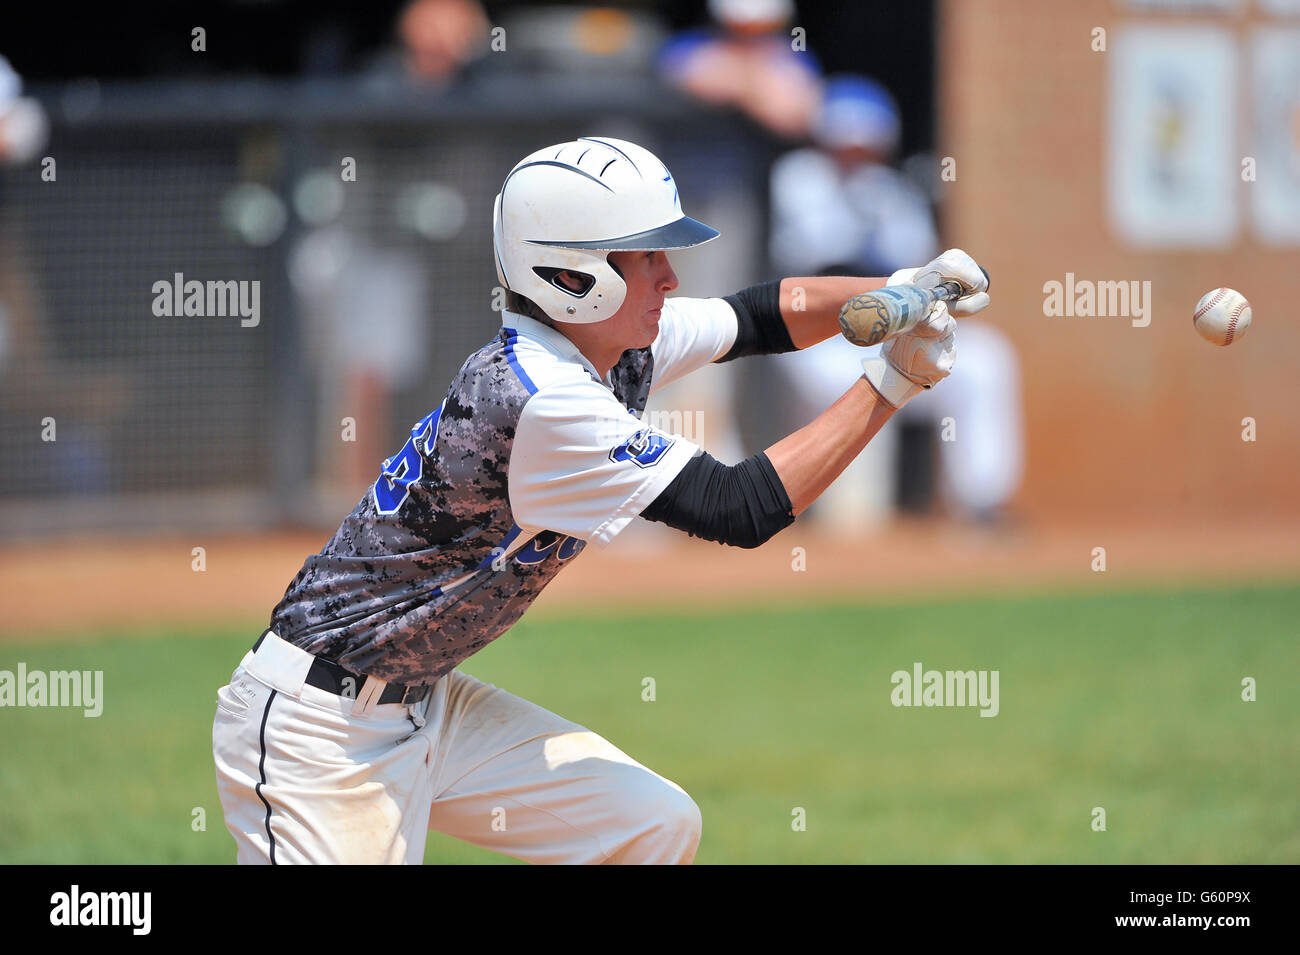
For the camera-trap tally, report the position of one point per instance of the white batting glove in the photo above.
(916, 361)
(953, 266)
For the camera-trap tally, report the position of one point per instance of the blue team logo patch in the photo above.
(644, 449)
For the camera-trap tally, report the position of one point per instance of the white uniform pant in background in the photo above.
(981, 461)
(306, 776)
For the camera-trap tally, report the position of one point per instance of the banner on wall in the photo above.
(1173, 168)
(1275, 135)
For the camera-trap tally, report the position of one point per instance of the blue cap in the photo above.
(857, 111)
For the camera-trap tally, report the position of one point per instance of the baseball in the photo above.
(1222, 316)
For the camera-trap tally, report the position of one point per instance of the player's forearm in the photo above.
(809, 459)
(811, 306)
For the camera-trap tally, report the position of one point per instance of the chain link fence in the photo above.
(224, 306)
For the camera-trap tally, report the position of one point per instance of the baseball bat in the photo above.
(872, 317)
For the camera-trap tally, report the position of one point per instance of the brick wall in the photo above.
(1120, 421)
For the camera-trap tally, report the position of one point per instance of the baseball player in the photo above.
(347, 731)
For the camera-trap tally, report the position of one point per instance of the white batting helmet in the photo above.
(566, 207)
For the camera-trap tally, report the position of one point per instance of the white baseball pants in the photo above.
(306, 776)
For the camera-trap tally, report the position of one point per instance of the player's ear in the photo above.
(577, 283)
(573, 281)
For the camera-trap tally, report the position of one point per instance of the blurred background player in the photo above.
(441, 38)
(747, 61)
(24, 128)
(839, 208)
(744, 60)
(435, 42)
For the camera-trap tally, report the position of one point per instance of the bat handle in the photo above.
(948, 291)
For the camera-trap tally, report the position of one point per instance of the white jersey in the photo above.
(871, 220)
(530, 458)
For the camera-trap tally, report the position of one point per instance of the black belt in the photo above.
(329, 676)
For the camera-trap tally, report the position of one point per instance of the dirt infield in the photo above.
(80, 586)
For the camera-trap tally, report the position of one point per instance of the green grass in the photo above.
(1129, 702)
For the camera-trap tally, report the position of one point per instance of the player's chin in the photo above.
(650, 325)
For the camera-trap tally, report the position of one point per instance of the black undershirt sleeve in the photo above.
(760, 329)
(743, 505)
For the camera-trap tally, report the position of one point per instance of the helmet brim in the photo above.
(680, 234)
